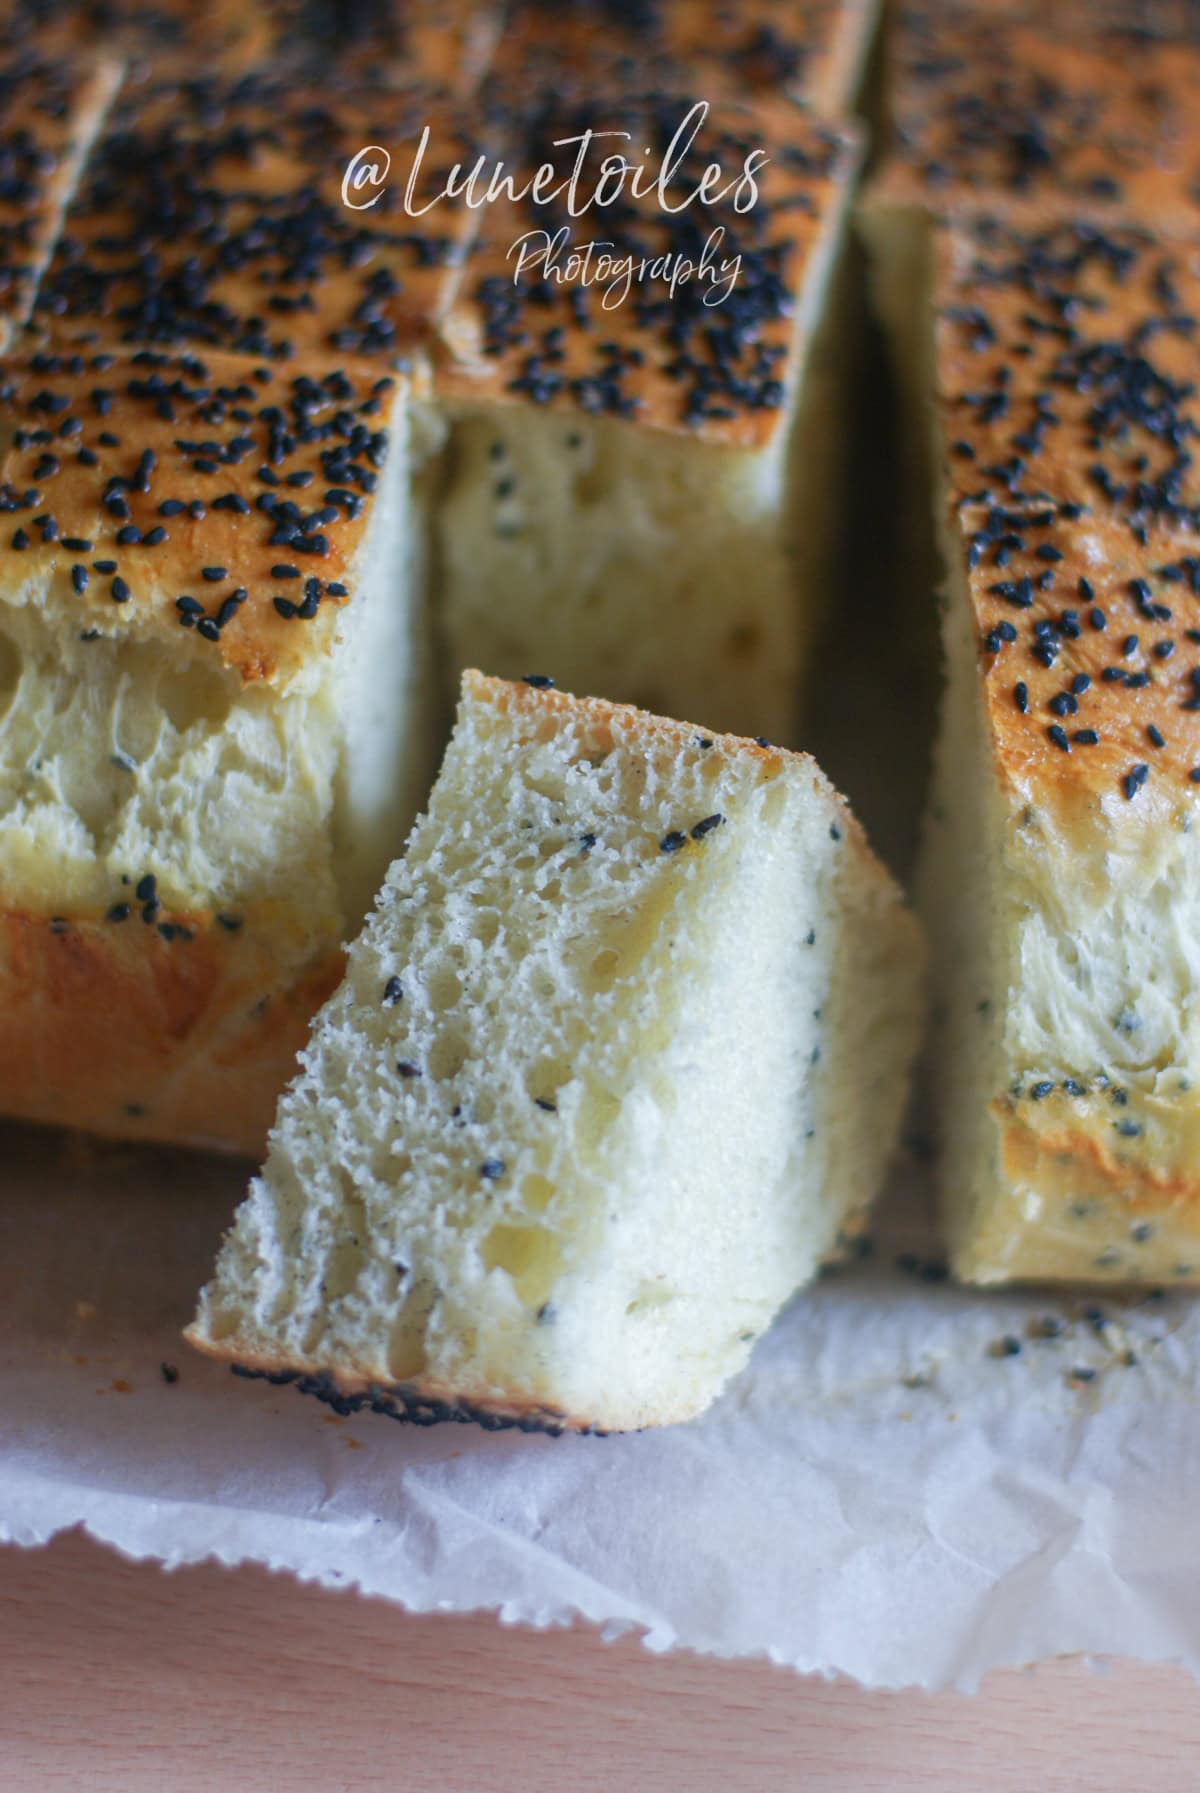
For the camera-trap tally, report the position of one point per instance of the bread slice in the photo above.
(50, 109)
(211, 737)
(639, 493)
(1030, 114)
(619, 1057)
(1062, 871)
(212, 216)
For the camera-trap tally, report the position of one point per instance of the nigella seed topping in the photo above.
(393, 992)
(672, 842)
(707, 826)
(176, 414)
(492, 1169)
(1059, 365)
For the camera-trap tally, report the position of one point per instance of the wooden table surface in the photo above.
(118, 1678)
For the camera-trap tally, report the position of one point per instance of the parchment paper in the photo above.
(878, 1494)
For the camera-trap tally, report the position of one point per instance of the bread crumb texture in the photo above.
(621, 1050)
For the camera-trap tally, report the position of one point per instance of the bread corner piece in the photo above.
(211, 739)
(620, 1056)
(1062, 874)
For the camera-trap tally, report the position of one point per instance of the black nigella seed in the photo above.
(79, 578)
(1058, 735)
(1087, 737)
(1134, 779)
(207, 627)
(538, 680)
(285, 607)
(671, 843)
(146, 889)
(406, 1068)
(706, 826)
(120, 591)
(1021, 696)
(213, 574)
(1157, 738)
(231, 923)
(282, 571)
(1039, 1091)
(492, 1169)
(120, 912)
(392, 992)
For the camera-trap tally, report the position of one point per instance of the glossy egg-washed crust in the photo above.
(1057, 111)
(722, 372)
(1068, 412)
(211, 500)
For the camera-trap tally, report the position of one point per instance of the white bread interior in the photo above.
(619, 1056)
(132, 752)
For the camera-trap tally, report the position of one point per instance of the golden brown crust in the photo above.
(1076, 111)
(211, 215)
(183, 1030)
(218, 503)
(812, 49)
(1067, 406)
(722, 371)
(383, 42)
(49, 110)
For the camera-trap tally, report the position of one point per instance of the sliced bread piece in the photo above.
(1062, 867)
(642, 472)
(211, 735)
(211, 215)
(619, 1058)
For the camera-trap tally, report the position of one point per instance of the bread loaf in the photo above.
(619, 1056)
(211, 743)
(1062, 871)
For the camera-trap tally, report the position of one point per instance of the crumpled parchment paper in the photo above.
(883, 1493)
